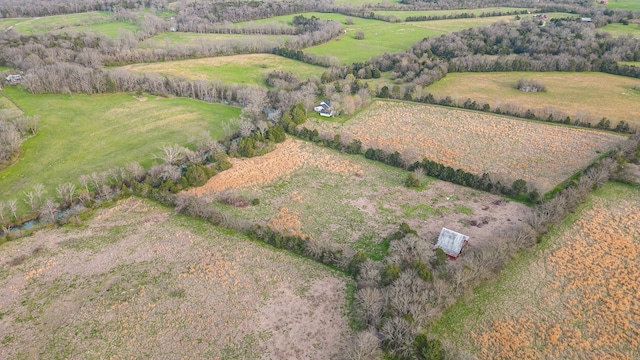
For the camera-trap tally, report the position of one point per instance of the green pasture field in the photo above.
(618, 29)
(81, 134)
(529, 306)
(9, 22)
(633, 5)
(237, 69)
(172, 39)
(613, 96)
(381, 36)
(404, 14)
(365, 2)
(97, 21)
(630, 63)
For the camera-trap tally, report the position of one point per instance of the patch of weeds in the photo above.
(443, 211)
(243, 349)
(18, 260)
(421, 211)
(7, 340)
(178, 294)
(374, 250)
(461, 209)
(355, 322)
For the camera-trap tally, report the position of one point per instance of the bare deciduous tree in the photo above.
(48, 210)
(66, 193)
(13, 207)
(364, 346)
(172, 154)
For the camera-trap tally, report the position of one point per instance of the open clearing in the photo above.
(139, 282)
(97, 21)
(169, 40)
(381, 36)
(571, 93)
(576, 297)
(309, 191)
(85, 133)
(543, 155)
(620, 29)
(403, 14)
(632, 5)
(237, 69)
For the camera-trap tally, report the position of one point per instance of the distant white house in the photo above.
(324, 108)
(586, 19)
(14, 79)
(451, 242)
(173, 29)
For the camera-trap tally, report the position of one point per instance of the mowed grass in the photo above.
(81, 134)
(633, 5)
(595, 94)
(97, 21)
(237, 69)
(574, 296)
(155, 283)
(172, 39)
(618, 29)
(383, 37)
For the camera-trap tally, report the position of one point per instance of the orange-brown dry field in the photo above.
(541, 154)
(579, 298)
(139, 282)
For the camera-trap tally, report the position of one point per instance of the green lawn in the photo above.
(613, 97)
(97, 21)
(237, 69)
(170, 39)
(618, 29)
(82, 134)
(633, 5)
(630, 63)
(364, 2)
(6, 23)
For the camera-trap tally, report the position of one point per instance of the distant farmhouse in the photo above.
(14, 79)
(324, 109)
(451, 242)
(586, 19)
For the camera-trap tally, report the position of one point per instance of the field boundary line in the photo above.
(13, 102)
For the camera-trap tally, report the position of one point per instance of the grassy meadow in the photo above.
(349, 201)
(236, 69)
(632, 5)
(403, 14)
(593, 95)
(381, 36)
(172, 39)
(81, 134)
(618, 29)
(574, 296)
(97, 21)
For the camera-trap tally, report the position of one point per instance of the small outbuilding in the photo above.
(324, 109)
(14, 79)
(451, 242)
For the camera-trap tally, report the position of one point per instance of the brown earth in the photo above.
(139, 282)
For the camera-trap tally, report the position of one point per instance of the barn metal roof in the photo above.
(451, 242)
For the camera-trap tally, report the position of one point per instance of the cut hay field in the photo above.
(136, 281)
(543, 155)
(97, 21)
(85, 133)
(620, 29)
(169, 40)
(351, 202)
(574, 297)
(571, 93)
(381, 36)
(236, 69)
